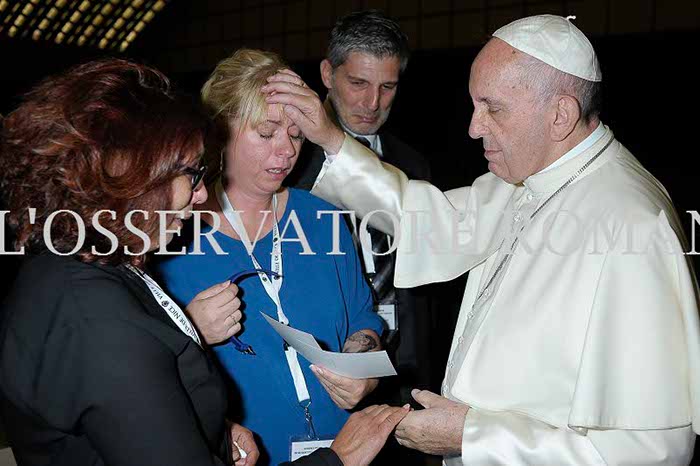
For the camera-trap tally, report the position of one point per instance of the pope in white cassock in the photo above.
(578, 339)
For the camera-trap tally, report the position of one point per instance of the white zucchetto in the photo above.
(556, 41)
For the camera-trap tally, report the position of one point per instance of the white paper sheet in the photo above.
(355, 365)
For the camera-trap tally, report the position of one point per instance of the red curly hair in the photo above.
(109, 134)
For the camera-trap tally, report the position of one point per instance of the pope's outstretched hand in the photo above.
(303, 106)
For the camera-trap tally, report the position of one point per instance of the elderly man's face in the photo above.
(362, 90)
(508, 116)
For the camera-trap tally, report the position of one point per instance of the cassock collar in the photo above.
(550, 180)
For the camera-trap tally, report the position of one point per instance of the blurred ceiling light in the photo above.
(107, 24)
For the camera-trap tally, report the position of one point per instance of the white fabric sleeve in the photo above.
(509, 439)
(438, 238)
(357, 180)
(672, 447)
(326, 164)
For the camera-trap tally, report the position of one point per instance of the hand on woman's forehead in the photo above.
(276, 116)
(275, 112)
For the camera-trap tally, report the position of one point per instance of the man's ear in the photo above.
(567, 116)
(327, 74)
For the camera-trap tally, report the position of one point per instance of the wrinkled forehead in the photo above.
(497, 66)
(372, 67)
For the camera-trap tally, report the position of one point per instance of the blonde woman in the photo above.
(280, 397)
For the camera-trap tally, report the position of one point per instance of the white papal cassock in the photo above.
(584, 348)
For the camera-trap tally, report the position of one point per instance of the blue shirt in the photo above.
(322, 294)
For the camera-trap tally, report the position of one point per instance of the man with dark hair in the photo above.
(366, 54)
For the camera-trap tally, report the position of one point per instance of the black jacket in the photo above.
(93, 372)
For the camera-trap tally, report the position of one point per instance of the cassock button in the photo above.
(487, 293)
(460, 340)
(450, 364)
(517, 217)
(530, 196)
(470, 316)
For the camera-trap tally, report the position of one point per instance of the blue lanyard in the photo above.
(237, 277)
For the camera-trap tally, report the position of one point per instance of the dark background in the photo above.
(648, 51)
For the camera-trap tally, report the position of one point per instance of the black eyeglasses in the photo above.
(197, 174)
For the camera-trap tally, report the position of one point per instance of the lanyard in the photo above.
(170, 307)
(366, 248)
(272, 286)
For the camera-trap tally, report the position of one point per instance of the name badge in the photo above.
(388, 313)
(299, 447)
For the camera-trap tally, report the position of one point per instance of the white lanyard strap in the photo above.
(271, 285)
(170, 307)
(366, 248)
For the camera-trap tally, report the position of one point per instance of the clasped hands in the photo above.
(436, 429)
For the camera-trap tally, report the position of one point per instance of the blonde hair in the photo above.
(233, 89)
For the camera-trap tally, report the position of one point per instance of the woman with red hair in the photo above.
(97, 365)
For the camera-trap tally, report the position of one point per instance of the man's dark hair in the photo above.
(369, 32)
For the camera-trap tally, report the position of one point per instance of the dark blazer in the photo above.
(413, 305)
(93, 372)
